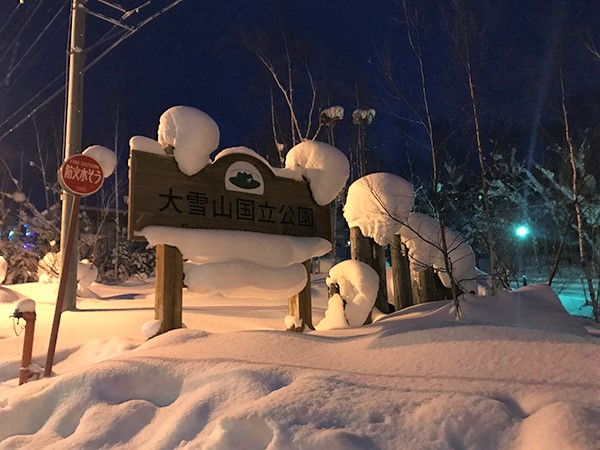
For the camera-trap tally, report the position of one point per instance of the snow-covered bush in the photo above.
(421, 235)
(358, 285)
(49, 268)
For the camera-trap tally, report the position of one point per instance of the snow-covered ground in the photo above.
(517, 372)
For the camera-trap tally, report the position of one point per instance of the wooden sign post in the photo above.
(236, 192)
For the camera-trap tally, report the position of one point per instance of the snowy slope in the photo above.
(517, 372)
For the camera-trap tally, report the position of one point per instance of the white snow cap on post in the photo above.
(103, 156)
(377, 203)
(193, 134)
(25, 305)
(358, 285)
(323, 166)
(422, 237)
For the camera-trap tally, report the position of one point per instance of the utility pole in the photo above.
(73, 139)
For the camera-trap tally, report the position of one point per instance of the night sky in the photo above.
(202, 54)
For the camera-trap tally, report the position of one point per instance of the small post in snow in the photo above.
(169, 287)
(26, 310)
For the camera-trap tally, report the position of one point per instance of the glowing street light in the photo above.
(522, 231)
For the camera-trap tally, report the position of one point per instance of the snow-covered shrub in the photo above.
(48, 269)
(358, 284)
(421, 235)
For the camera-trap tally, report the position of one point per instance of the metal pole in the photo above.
(73, 141)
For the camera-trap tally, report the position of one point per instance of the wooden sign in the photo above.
(236, 192)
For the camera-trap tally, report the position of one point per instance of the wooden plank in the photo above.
(169, 287)
(159, 194)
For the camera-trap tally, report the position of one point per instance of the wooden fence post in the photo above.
(425, 286)
(169, 287)
(300, 305)
(403, 296)
(365, 250)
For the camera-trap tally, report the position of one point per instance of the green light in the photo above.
(522, 231)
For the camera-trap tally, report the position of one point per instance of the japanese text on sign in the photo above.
(200, 204)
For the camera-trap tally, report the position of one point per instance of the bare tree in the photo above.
(411, 14)
(583, 258)
(462, 37)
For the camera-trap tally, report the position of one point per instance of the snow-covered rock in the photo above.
(103, 156)
(358, 285)
(378, 203)
(322, 165)
(193, 134)
(422, 237)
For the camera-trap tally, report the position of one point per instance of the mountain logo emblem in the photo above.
(242, 176)
(244, 180)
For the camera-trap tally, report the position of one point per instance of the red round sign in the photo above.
(80, 175)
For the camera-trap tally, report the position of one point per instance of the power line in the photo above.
(88, 66)
(15, 39)
(48, 25)
(9, 18)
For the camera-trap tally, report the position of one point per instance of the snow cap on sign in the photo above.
(193, 134)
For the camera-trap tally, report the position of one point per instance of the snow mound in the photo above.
(377, 203)
(322, 165)
(421, 235)
(358, 285)
(103, 156)
(242, 279)
(193, 134)
(86, 273)
(151, 328)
